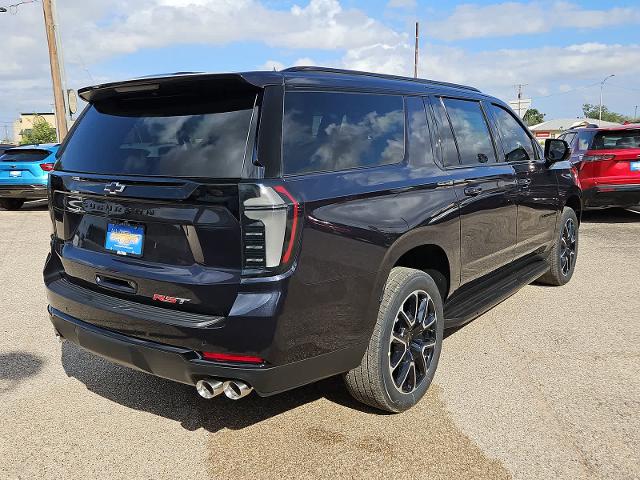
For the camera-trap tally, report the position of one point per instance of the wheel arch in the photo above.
(421, 249)
(574, 201)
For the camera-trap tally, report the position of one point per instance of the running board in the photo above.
(476, 298)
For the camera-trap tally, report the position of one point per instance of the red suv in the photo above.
(608, 162)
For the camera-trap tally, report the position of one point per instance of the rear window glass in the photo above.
(616, 140)
(336, 131)
(177, 137)
(24, 156)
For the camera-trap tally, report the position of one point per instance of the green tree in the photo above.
(41, 132)
(593, 111)
(533, 117)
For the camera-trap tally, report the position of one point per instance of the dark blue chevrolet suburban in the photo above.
(264, 230)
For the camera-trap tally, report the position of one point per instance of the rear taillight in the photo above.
(47, 167)
(270, 228)
(597, 158)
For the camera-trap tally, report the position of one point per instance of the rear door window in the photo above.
(419, 151)
(24, 155)
(176, 137)
(330, 131)
(471, 131)
(616, 140)
(517, 143)
(450, 156)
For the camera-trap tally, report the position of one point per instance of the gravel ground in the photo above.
(545, 385)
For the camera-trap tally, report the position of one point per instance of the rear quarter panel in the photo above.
(357, 225)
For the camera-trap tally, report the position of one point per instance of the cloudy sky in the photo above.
(561, 50)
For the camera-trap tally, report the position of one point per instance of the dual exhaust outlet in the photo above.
(233, 389)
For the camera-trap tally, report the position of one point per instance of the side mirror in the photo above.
(556, 150)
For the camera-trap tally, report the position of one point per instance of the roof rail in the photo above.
(379, 75)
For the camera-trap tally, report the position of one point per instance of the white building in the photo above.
(553, 128)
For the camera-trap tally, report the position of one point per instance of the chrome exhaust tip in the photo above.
(209, 388)
(235, 389)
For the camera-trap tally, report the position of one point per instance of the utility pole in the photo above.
(55, 55)
(635, 115)
(520, 86)
(415, 59)
(601, 87)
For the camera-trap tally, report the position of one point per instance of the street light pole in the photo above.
(56, 70)
(601, 87)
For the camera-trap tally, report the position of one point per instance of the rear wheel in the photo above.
(404, 350)
(564, 254)
(11, 203)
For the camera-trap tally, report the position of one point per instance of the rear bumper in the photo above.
(30, 192)
(185, 366)
(607, 196)
(167, 343)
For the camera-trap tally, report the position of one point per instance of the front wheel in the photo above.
(564, 252)
(11, 203)
(401, 359)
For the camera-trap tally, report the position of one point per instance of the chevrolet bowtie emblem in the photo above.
(114, 187)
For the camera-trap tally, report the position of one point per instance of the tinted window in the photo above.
(25, 156)
(337, 131)
(616, 140)
(449, 151)
(515, 140)
(568, 137)
(471, 131)
(182, 137)
(419, 148)
(584, 140)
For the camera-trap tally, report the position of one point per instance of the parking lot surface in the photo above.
(545, 385)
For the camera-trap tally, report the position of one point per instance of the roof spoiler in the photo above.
(249, 81)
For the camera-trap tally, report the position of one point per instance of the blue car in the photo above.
(24, 172)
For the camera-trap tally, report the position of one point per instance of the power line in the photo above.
(13, 8)
(568, 91)
(624, 87)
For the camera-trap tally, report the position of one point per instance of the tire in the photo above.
(565, 248)
(11, 203)
(375, 381)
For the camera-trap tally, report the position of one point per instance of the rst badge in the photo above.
(167, 299)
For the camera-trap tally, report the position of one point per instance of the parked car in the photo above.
(4, 147)
(23, 174)
(265, 230)
(608, 162)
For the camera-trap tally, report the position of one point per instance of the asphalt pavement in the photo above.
(545, 385)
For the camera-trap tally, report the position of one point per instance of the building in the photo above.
(24, 123)
(553, 128)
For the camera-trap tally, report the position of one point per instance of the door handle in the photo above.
(472, 191)
(116, 284)
(524, 182)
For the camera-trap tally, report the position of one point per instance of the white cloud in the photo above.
(321, 24)
(541, 68)
(514, 18)
(95, 30)
(272, 65)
